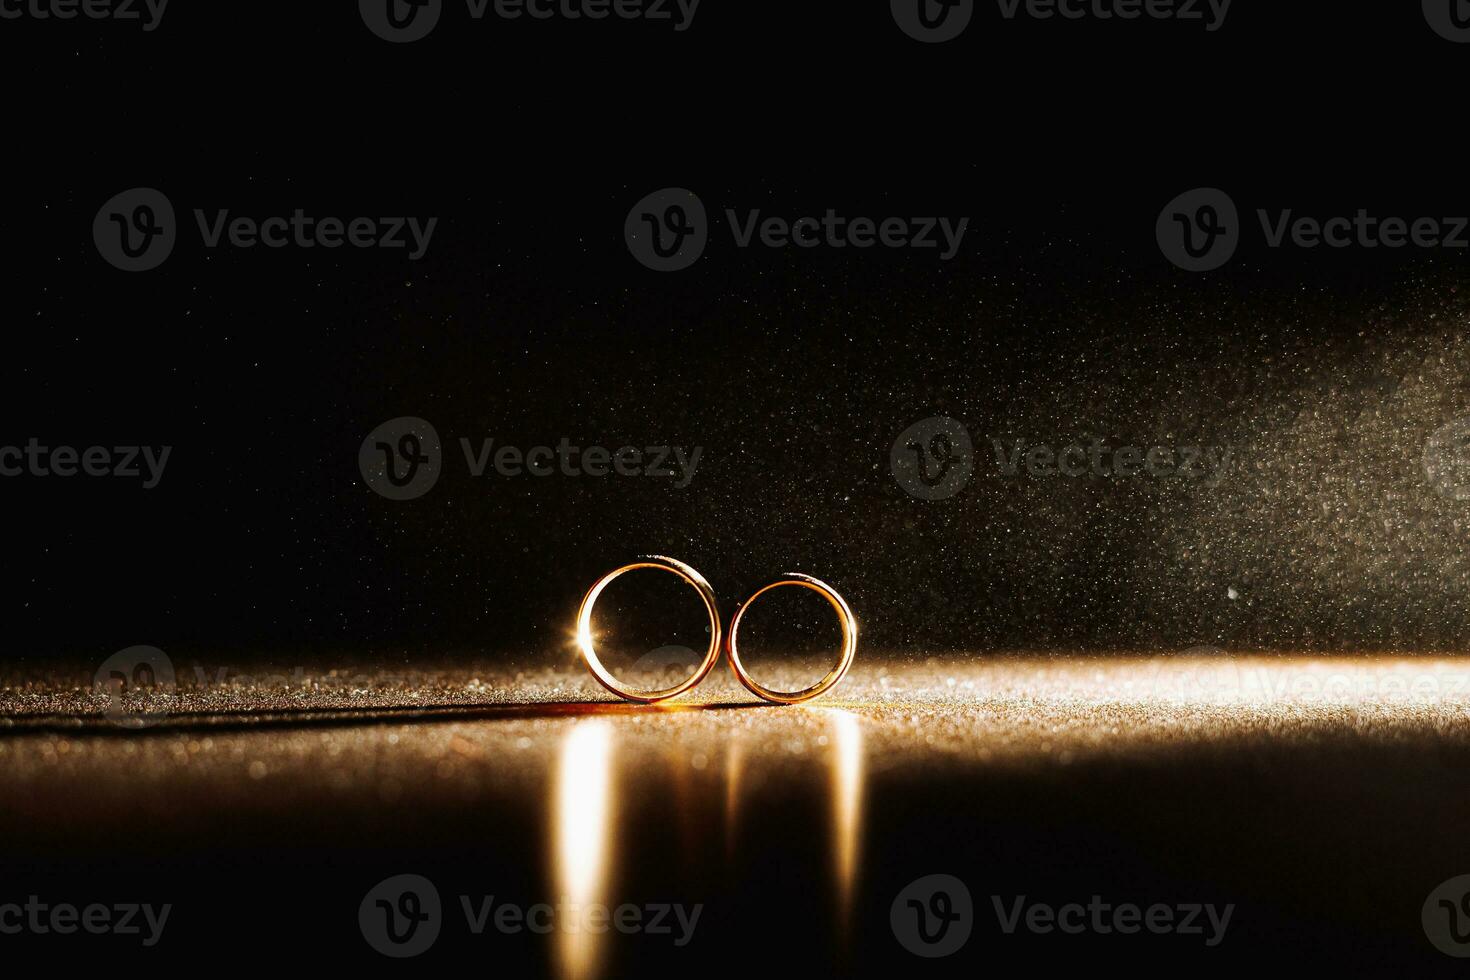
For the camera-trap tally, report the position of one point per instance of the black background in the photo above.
(529, 320)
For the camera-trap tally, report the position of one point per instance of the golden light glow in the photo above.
(734, 769)
(584, 814)
(847, 807)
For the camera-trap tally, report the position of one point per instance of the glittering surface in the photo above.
(452, 730)
(1032, 706)
(1023, 765)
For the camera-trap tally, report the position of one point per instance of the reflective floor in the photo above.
(1322, 798)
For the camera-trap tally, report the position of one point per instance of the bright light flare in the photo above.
(847, 806)
(584, 814)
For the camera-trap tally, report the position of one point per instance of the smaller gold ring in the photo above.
(589, 652)
(849, 641)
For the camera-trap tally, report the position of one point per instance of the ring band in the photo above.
(589, 652)
(849, 641)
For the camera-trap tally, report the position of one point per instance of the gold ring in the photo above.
(849, 641)
(589, 652)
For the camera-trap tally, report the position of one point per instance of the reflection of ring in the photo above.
(849, 641)
(584, 629)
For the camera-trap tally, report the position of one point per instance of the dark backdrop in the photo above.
(529, 321)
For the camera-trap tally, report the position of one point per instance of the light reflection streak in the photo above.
(847, 808)
(584, 815)
(734, 769)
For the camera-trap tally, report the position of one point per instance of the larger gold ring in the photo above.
(849, 641)
(589, 651)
